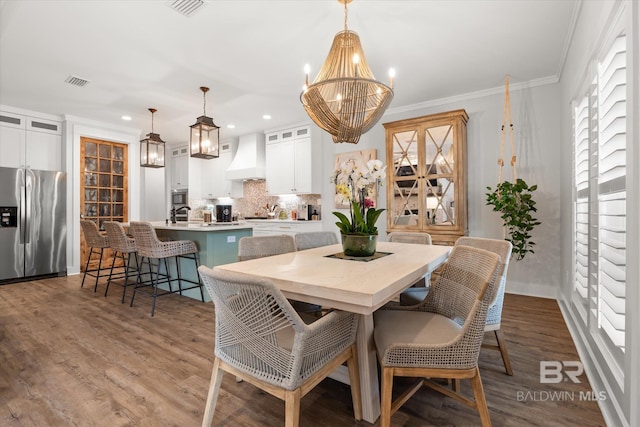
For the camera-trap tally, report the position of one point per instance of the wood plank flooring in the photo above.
(71, 357)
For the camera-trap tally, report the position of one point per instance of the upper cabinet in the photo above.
(289, 165)
(426, 175)
(214, 182)
(30, 142)
(180, 167)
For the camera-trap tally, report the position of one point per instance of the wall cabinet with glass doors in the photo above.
(426, 175)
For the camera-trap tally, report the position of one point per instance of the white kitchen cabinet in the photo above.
(180, 167)
(289, 165)
(214, 182)
(275, 227)
(30, 142)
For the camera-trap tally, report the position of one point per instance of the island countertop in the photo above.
(200, 226)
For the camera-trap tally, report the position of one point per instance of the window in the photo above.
(599, 238)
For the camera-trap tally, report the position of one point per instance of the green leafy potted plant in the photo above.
(515, 203)
(353, 184)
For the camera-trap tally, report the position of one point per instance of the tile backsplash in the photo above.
(254, 202)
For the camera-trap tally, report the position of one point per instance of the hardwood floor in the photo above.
(69, 356)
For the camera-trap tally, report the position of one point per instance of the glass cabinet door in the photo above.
(426, 158)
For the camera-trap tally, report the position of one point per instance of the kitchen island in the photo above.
(217, 244)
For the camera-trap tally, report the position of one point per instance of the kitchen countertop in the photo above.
(200, 226)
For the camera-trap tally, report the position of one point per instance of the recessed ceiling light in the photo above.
(127, 118)
(230, 126)
(266, 117)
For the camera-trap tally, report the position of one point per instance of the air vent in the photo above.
(186, 7)
(76, 81)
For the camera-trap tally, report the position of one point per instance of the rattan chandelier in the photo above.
(345, 99)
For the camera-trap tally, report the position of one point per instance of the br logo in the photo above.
(554, 371)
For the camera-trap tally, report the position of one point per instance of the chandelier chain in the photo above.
(345, 16)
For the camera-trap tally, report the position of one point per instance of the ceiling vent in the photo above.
(76, 81)
(186, 7)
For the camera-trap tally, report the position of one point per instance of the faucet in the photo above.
(174, 211)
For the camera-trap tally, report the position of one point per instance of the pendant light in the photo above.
(205, 135)
(345, 99)
(152, 148)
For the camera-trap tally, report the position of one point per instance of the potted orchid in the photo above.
(354, 183)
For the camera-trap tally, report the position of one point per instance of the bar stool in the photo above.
(121, 245)
(95, 241)
(152, 248)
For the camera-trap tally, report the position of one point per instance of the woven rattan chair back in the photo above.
(92, 235)
(118, 239)
(263, 246)
(315, 239)
(463, 293)
(406, 237)
(259, 337)
(503, 249)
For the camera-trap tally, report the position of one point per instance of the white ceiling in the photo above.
(251, 53)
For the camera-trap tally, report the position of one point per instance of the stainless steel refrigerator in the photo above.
(33, 227)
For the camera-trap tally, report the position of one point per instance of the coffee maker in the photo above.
(223, 213)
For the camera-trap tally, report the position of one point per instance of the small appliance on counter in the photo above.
(223, 213)
(308, 212)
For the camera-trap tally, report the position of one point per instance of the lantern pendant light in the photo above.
(205, 135)
(345, 99)
(152, 148)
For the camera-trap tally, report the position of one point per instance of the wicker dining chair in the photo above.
(151, 248)
(494, 316)
(97, 243)
(261, 339)
(426, 341)
(262, 246)
(123, 247)
(420, 239)
(315, 239)
(252, 247)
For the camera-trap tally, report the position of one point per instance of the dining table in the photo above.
(326, 277)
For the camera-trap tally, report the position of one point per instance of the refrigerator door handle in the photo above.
(23, 215)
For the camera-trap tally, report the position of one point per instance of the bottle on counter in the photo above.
(315, 216)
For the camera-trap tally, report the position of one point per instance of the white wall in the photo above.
(536, 116)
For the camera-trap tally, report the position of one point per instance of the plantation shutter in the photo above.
(612, 140)
(581, 207)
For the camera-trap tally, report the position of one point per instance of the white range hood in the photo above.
(249, 161)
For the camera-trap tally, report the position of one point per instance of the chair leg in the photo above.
(179, 274)
(195, 259)
(292, 407)
(86, 267)
(385, 398)
(481, 402)
(166, 269)
(113, 263)
(138, 279)
(502, 344)
(155, 288)
(212, 396)
(95, 287)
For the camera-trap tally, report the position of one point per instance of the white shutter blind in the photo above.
(581, 207)
(612, 195)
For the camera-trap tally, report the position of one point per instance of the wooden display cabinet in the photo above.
(426, 175)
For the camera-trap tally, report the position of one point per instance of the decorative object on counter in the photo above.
(205, 135)
(353, 184)
(207, 216)
(271, 211)
(283, 214)
(152, 148)
(345, 99)
(514, 200)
